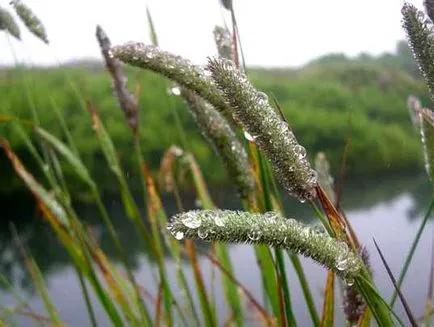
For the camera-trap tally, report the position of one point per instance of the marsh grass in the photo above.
(235, 106)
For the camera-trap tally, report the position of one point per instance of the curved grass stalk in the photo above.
(251, 109)
(268, 229)
(176, 68)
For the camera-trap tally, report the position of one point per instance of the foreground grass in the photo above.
(272, 154)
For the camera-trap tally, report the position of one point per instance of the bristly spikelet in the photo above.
(414, 106)
(421, 41)
(126, 100)
(426, 117)
(178, 69)
(32, 22)
(215, 128)
(223, 41)
(250, 108)
(270, 229)
(8, 24)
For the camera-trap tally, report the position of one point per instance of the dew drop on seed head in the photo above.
(300, 151)
(202, 233)
(179, 235)
(249, 137)
(349, 281)
(191, 221)
(305, 233)
(175, 90)
(318, 229)
(262, 98)
(344, 249)
(342, 263)
(220, 220)
(284, 126)
(177, 151)
(254, 235)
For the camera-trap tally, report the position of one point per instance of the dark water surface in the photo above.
(389, 210)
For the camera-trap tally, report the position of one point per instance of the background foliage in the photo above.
(331, 98)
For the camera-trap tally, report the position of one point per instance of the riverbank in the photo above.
(326, 103)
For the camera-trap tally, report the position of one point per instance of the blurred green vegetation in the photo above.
(329, 99)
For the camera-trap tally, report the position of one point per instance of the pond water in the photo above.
(389, 210)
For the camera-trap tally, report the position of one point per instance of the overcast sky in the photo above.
(273, 32)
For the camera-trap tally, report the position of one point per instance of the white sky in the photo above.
(273, 32)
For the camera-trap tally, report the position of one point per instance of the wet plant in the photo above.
(225, 104)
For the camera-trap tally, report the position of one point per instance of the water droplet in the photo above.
(202, 233)
(249, 137)
(300, 151)
(305, 233)
(343, 249)
(342, 263)
(179, 235)
(198, 203)
(313, 177)
(254, 235)
(349, 281)
(284, 126)
(262, 98)
(191, 221)
(318, 229)
(175, 90)
(177, 151)
(220, 220)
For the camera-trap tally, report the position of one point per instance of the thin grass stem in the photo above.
(410, 254)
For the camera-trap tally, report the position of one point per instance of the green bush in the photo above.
(318, 102)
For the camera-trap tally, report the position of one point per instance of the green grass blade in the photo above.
(266, 265)
(89, 306)
(289, 314)
(230, 288)
(38, 281)
(410, 254)
(328, 313)
(64, 126)
(152, 31)
(378, 306)
(208, 312)
(69, 156)
(305, 288)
